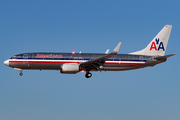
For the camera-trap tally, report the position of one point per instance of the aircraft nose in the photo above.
(6, 62)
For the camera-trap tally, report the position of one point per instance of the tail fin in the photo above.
(157, 46)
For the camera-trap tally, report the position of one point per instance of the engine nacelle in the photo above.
(70, 68)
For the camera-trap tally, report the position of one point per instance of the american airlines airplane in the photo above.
(72, 63)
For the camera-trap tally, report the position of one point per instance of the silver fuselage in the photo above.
(53, 61)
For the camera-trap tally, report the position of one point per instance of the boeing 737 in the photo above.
(72, 63)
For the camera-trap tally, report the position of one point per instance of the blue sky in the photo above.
(90, 27)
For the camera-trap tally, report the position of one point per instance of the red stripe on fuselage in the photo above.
(43, 62)
(114, 63)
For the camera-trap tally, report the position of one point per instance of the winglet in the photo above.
(117, 48)
(107, 51)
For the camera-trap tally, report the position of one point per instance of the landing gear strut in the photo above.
(88, 74)
(19, 69)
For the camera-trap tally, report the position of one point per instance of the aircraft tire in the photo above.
(21, 74)
(88, 75)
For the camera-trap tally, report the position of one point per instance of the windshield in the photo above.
(13, 57)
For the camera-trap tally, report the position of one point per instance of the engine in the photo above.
(70, 68)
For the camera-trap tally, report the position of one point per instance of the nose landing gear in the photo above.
(19, 70)
(88, 74)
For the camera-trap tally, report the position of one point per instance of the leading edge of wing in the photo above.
(115, 51)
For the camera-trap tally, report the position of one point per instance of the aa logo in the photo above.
(157, 46)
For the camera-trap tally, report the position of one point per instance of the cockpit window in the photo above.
(14, 57)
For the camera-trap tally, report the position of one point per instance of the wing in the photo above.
(96, 63)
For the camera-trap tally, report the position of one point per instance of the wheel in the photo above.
(20, 74)
(88, 75)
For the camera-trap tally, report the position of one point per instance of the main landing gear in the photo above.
(88, 74)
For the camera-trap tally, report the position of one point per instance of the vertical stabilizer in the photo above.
(157, 46)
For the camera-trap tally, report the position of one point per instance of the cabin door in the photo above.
(25, 57)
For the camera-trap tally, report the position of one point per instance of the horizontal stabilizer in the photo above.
(164, 57)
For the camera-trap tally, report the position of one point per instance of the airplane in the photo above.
(72, 63)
